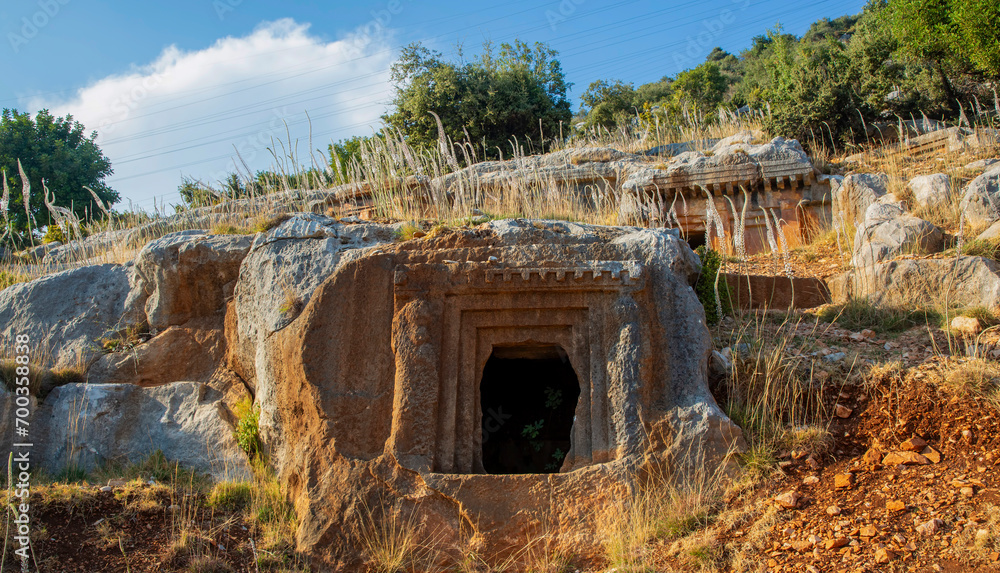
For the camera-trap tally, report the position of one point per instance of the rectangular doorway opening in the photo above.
(528, 399)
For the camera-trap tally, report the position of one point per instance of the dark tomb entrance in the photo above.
(528, 397)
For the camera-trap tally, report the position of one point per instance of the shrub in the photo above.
(408, 231)
(705, 288)
(54, 233)
(248, 428)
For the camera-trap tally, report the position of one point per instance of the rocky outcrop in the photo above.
(981, 165)
(981, 199)
(187, 274)
(888, 232)
(991, 234)
(86, 425)
(732, 161)
(66, 314)
(856, 193)
(369, 391)
(282, 269)
(931, 190)
(87, 247)
(918, 283)
(370, 361)
(192, 352)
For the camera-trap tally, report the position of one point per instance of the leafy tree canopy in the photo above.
(58, 151)
(608, 102)
(519, 92)
(700, 89)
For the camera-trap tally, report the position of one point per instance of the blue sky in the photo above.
(174, 88)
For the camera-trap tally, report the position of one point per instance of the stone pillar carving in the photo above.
(416, 343)
(624, 380)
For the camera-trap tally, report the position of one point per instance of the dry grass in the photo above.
(230, 229)
(12, 277)
(391, 540)
(980, 539)
(988, 248)
(771, 394)
(665, 508)
(975, 376)
(860, 313)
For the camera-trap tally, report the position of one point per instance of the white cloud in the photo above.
(185, 112)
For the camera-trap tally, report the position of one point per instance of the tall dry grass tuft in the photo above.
(392, 539)
(660, 508)
(773, 392)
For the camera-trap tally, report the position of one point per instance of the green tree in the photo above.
(654, 92)
(923, 28)
(809, 88)
(608, 103)
(519, 92)
(700, 89)
(194, 193)
(976, 34)
(58, 151)
(343, 154)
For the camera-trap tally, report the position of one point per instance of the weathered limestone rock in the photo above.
(37, 253)
(85, 425)
(931, 190)
(965, 281)
(888, 233)
(981, 199)
(189, 353)
(66, 314)
(744, 137)
(856, 193)
(378, 386)
(87, 247)
(966, 325)
(990, 234)
(279, 274)
(982, 165)
(732, 163)
(186, 275)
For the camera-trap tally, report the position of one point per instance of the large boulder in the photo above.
(919, 283)
(981, 165)
(85, 425)
(65, 315)
(888, 232)
(279, 274)
(981, 199)
(855, 194)
(374, 393)
(156, 362)
(931, 190)
(186, 275)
